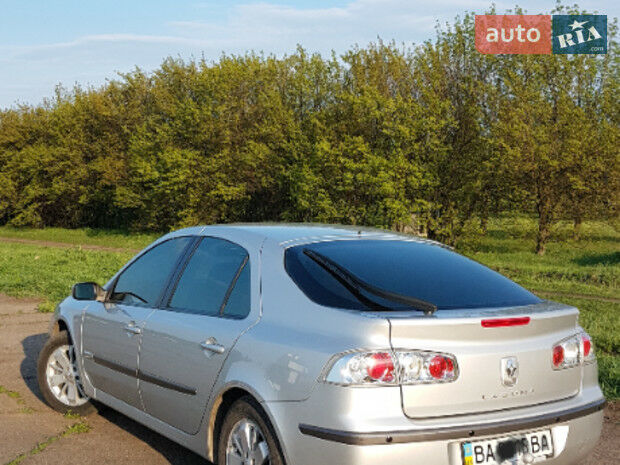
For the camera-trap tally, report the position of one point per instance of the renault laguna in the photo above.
(305, 345)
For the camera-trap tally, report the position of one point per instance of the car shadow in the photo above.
(171, 451)
(174, 453)
(31, 346)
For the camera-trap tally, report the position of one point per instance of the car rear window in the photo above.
(417, 269)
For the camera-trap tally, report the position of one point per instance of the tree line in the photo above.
(425, 139)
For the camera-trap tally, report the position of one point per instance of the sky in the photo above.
(44, 43)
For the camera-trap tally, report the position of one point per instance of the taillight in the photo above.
(587, 348)
(438, 367)
(573, 351)
(558, 356)
(392, 368)
(381, 367)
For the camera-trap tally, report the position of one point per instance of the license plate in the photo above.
(521, 449)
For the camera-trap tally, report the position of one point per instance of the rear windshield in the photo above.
(414, 269)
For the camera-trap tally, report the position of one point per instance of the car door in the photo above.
(112, 329)
(186, 341)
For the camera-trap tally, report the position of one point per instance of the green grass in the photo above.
(583, 273)
(49, 273)
(84, 236)
(590, 266)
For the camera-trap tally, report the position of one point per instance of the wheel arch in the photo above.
(221, 405)
(59, 325)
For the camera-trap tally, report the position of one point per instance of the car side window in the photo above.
(238, 305)
(215, 280)
(143, 281)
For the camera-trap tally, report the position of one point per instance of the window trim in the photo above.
(176, 278)
(233, 283)
(172, 273)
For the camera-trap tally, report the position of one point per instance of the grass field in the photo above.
(86, 236)
(582, 273)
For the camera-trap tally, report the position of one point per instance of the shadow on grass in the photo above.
(174, 453)
(612, 258)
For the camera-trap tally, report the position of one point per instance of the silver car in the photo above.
(305, 345)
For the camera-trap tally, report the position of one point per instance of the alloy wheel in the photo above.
(247, 445)
(63, 377)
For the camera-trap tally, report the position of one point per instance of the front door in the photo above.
(112, 330)
(185, 343)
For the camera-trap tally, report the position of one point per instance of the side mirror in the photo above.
(88, 291)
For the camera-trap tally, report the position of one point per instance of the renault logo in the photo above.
(510, 371)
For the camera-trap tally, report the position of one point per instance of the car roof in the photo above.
(290, 234)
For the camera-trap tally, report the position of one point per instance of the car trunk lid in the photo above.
(482, 354)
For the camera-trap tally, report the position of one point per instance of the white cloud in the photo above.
(28, 73)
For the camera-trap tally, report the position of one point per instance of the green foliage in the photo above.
(428, 139)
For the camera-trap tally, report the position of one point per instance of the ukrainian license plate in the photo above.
(521, 449)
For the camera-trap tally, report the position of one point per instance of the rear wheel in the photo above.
(59, 377)
(247, 438)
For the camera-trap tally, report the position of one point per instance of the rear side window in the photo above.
(238, 305)
(142, 282)
(215, 281)
(420, 270)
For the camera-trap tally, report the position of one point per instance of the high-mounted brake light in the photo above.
(573, 351)
(503, 322)
(392, 368)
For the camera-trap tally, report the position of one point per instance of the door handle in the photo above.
(212, 345)
(133, 329)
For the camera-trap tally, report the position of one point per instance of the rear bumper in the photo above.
(450, 433)
(573, 441)
(330, 428)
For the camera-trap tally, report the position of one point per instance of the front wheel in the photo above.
(246, 437)
(59, 378)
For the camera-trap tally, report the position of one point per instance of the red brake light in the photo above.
(382, 367)
(587, 346)
(449, 365)
(438, 367)
(558, 355)
(503, 322)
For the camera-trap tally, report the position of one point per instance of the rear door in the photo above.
(112, 330)
(186, 342)
(482, 354)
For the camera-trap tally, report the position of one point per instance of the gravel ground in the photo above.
(31, 433)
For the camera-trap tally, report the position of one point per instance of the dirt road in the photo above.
(33, 434)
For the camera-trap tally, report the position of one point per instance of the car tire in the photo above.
(246, 413)
(59, 378)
